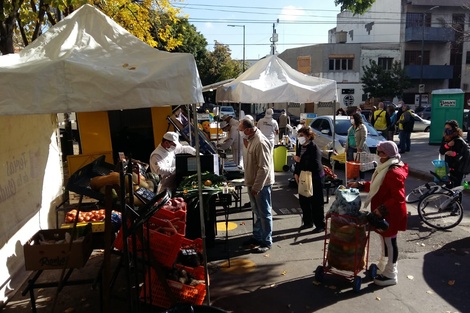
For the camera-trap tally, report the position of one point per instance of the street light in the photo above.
(231, 25)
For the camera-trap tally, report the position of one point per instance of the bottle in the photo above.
(465, 185)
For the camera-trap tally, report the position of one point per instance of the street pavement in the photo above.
(433, 265)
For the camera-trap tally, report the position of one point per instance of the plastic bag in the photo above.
(441, 168)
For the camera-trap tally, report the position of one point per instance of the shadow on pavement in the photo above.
(446, 271)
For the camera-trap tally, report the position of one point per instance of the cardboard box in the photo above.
(57, 255)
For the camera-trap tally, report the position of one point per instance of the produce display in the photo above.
(87, 216)
(210, 181)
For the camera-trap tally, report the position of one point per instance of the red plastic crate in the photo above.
(155, 293)
(167, 214)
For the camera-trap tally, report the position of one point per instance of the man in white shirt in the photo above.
(268, 126)
(163, 162)
(233, 141)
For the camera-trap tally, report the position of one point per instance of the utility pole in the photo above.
(274, 39)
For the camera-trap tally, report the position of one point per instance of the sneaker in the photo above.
(318, 230)
(383, 281)
(305, 226)
(251, 243)
(262, 249)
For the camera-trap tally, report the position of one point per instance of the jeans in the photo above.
(405, 140)
(262, 209)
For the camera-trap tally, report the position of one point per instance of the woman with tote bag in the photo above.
(308, 166)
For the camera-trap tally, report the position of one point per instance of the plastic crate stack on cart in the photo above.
(176, 273)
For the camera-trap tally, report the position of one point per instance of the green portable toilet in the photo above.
(446, 104)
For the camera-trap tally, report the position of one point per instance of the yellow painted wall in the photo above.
(160, 123)
(95, 136)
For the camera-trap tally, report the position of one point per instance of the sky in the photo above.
(301, 23)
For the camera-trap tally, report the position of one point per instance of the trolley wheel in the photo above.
(357, 284)
(373, 270)
(319, 273)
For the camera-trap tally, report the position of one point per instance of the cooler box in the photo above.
(279, 158)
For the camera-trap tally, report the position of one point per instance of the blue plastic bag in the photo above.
(441, 168)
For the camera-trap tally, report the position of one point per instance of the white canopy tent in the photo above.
(87, 62)
(271, 80)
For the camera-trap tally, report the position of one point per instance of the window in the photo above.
(468, 58)
(385, 63)
(414, 57)
(416, 19)
(340, 64)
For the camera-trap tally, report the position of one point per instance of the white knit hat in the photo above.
(171, 136)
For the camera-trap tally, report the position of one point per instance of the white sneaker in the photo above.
(383, 281)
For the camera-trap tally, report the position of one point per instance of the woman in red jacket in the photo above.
(387, 199)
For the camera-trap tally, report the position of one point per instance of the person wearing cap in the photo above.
(259, 178)
(233, 142)
(284, 120)
(229, 119)
(268, 126)
(163, 162)
(386, 197)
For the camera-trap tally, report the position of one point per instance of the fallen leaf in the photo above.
(125, 65)
(410, 277)
(451, 282)
(430, 292)
(377, 298)
(266, 255)
(132, 68)
(422, 244)
(316, 282)
(69, 310)
(272, 285)
(284, 273)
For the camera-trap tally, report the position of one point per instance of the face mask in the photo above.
(302, 140)
(448, 131)
(171, 148)
(243, 135)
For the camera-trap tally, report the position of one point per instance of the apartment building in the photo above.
(428, 37)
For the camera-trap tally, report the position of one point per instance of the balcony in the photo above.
(430, 71)
(431, 34)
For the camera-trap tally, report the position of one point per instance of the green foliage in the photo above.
(218, 65)
(355, 6)
(380, 83)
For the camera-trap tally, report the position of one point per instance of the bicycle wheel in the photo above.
(421, 191)
(431, 213)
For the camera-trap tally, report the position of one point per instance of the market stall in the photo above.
(88, 63)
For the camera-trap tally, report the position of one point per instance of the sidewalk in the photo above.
(420, 158)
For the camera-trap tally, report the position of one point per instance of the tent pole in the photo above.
(201, 203)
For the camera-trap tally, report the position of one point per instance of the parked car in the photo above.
(421, 125)
(426, 113)
(227, 110)
(294, 120)
(323, 128)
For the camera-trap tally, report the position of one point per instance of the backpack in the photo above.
(464, 160)
(408, 126)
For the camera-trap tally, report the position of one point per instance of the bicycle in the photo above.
(423, 190)
(439, 206)
(443, 209)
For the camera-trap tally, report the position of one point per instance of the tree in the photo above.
(380, 83)
(27, 19)
(218, 65)
(191, 40)
(355, 6)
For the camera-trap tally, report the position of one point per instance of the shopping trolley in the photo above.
(346, 249)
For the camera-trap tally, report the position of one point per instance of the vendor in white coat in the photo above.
(232, 141)
(163, 162)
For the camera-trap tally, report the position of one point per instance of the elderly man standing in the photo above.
(259, 177)
(284, 120)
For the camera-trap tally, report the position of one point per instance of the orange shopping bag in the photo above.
(352, 169)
